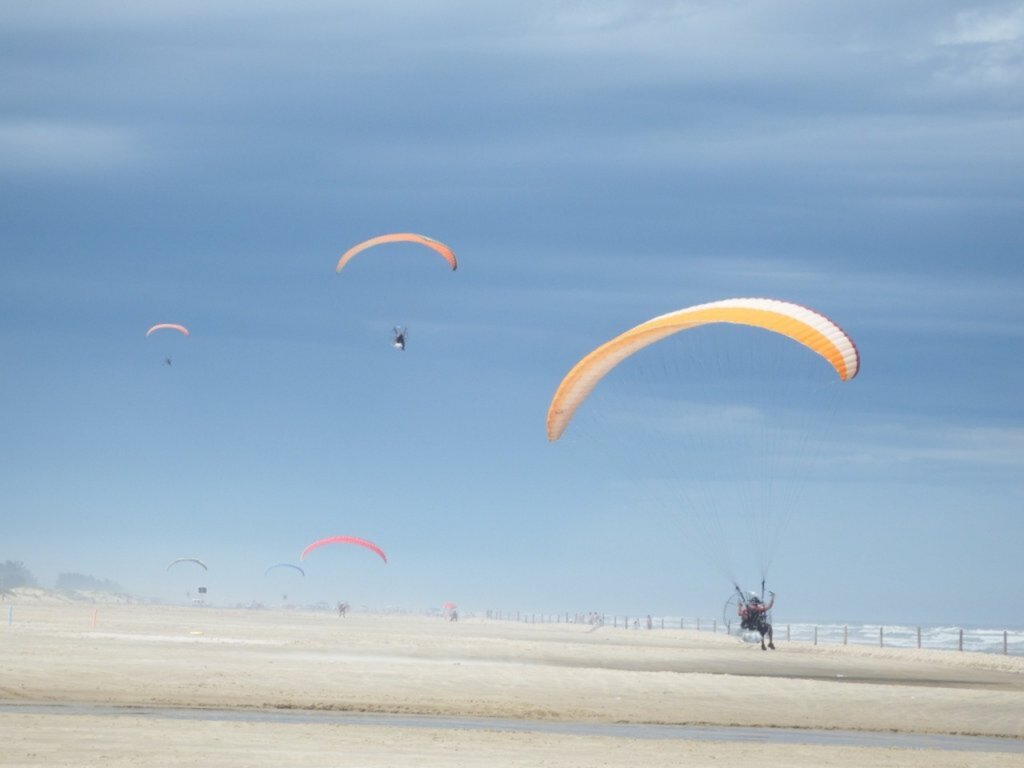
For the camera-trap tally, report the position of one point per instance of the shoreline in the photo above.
(647, 731)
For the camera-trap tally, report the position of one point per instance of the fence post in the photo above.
(787, 633)
(881, 640)
(919, 638)
(680, 622)
(961, 640)
(845, 633)
(1006, 650)
(815, 634)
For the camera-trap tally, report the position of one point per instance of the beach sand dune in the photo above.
(295, 661)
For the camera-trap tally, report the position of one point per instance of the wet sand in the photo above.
(302, 662)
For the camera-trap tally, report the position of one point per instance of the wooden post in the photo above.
(1006, 650)
(787, 633)
(919, 638)
(961, 639)
(815, 634)
(845, 633)
(881, 641)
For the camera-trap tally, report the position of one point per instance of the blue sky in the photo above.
(592, 165)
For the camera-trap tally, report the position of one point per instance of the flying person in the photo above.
(753, 615)
(167, 361)
(398, 342)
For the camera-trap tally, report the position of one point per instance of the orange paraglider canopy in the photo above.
(803, 325)
(399, 237)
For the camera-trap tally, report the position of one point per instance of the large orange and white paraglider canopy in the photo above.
(398, 237)
(344, 540)
(803, 325)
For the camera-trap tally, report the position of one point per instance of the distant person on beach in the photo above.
(754, 618)
(342, 609)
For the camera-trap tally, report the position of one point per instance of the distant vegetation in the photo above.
(79, 582)
(14, 575)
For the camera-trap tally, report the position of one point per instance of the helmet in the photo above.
(755, 599)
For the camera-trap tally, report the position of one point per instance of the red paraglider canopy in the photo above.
(344, 540)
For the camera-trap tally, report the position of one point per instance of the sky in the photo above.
(592, 165)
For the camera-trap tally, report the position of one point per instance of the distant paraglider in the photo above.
(344, 540)
(399, 237)
(168, 326)
(197, 561)
(398, 338)
(284, 565)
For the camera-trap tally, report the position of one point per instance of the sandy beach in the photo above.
(84, 684)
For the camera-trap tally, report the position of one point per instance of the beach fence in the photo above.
(1002, 641)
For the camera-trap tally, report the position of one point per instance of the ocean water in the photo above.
(967, 639)
(974, 639)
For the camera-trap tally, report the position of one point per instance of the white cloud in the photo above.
(981, 50)
(885, 444)
(973, 27)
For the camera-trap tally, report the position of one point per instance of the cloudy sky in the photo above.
(592, 164)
